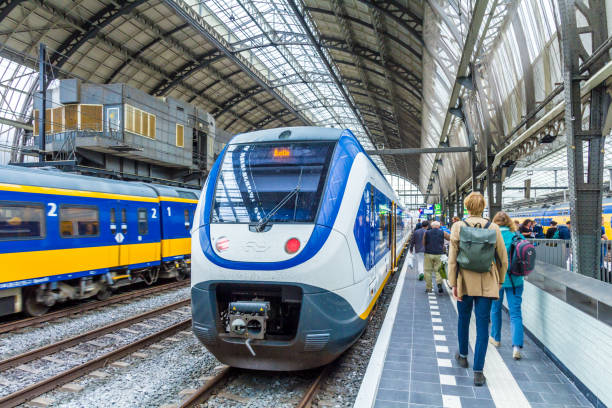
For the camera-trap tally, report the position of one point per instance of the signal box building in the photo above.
(119, 129)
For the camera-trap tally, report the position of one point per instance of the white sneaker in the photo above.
(516, 353)
(494, 342)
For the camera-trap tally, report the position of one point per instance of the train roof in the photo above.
(54, 178)
(170, 191)
(295, 134)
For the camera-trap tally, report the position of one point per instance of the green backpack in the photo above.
(476, 247)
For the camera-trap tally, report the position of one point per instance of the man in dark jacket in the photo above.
(416, 247)
(550, 232)
(433, 243)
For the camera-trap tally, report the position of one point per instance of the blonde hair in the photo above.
(504, 220)
(474, 203)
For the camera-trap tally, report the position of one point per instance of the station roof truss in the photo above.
(250, 63)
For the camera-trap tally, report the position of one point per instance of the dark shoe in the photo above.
(428, 291)
(461, 360)
(479, 379)
(440, 288)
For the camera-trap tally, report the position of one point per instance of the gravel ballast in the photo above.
(14, 343)
(146, 382)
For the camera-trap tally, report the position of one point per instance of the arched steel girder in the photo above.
(7, 6)
(355, 20)
(373, 57)
(188, 69)
(265, 121)
(382, 92)
(401, 14)
(91, 28)
(381, 74)
(238, 98)
(145, 47)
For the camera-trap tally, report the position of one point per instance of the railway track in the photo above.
(85, 307)
(43, 386)
(206, 391)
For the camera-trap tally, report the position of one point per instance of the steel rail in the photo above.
(49, 384)
(204, 392)
(306, 400)
(82, 338)
(30, 321)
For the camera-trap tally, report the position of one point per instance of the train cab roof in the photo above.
(298, 133)
(53, 178)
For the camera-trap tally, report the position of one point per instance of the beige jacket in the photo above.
(474, 283)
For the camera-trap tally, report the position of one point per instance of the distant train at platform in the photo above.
(297, 232)
(65, 236)
(560, 214)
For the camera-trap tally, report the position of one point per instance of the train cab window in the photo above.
(21, 221)
(79, 221)
(143, 222)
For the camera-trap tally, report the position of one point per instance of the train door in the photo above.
(115, 229)
(122, 237)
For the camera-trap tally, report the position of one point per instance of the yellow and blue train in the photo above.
(560, 214)
(66, 236)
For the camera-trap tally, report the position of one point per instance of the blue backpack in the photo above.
(522, 257)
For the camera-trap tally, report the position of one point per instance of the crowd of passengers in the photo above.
(480, 291)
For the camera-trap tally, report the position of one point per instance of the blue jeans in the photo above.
(516, 317)
(482, 310)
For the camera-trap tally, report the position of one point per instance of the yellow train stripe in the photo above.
(366, 313)
(176, 246)
(178, 200)
(29, 265)
(76, 193)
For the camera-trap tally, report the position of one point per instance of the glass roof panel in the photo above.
(16, 84)
(292, 64)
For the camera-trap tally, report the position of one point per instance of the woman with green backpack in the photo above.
(477, 264)
(512, 289)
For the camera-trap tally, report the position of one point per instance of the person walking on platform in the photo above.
(476, 271)
(550, 232)
(416, 247)
(512, 289)
(433, 242)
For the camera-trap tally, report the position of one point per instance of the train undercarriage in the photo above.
(36, 300)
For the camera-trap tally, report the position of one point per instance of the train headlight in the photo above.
(292, 245)
(222, 244)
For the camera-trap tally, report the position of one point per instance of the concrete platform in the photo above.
(413, 362)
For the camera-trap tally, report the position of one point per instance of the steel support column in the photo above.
(459, 203)
(585, 182)
(494, 185)
(42, 89)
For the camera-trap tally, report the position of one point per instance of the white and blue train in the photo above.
(298, 232)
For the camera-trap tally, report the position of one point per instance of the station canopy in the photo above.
(392, 71)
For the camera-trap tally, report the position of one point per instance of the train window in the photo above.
(276, 182)
(123, 216)
(143, 222)
(113, 218)
(187, 220)
(79, 221)
(21, 221)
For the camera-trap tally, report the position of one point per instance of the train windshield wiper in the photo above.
(259, 227)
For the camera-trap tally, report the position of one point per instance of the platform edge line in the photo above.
(369, 385)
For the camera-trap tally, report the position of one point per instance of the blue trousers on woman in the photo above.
(482, 310)
(515, 298)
